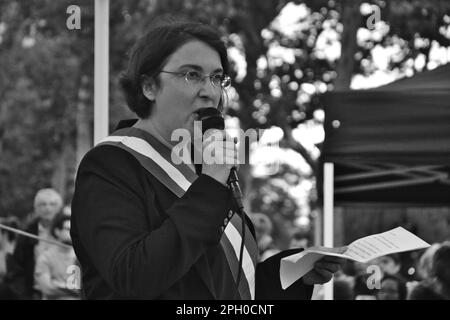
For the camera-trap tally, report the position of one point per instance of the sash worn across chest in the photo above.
(156, 158)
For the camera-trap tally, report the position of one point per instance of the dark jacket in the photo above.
(20, 275)
(136, 239)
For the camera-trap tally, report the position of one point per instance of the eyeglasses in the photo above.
(195, 77)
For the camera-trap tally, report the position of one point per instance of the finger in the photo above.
(312, 278)
(214, 134)
(231, 151)
(228, 143)
(216, 146)
(331, 267)
(228, 137)
(211, 148)
(323, 273)
(230, 161)
(211, 139)
(214, 154)
(330, 259)
(230, 154)
(220, 144)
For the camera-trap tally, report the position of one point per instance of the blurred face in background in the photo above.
(361, 268)
(47, 204)
(388, 265)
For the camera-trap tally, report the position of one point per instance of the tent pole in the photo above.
(328, 230)
(101, 70)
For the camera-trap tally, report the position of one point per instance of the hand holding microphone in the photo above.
(220, 155)
(224, 172)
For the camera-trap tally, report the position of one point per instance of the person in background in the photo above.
(437, 286)
(299, 240)
(7, 242)
(20, 275)
(425, 265)
(391, 288)
(264, 240)
(361, 288)
(424, 268)
(7, 245)
(391, 265)
(67, 210)
(344, 282)
(53, 265)
(441, 270)
(342, 289)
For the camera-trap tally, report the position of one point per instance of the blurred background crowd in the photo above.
(46, 268)
(417, 275)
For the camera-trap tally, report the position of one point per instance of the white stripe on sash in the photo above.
(247, 264)
(143, 147)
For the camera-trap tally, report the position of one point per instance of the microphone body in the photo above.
(233, 182)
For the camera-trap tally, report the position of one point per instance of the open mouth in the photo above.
(205, 112)
(199, 111)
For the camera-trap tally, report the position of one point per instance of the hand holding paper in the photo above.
(362, 250)
(323, 270)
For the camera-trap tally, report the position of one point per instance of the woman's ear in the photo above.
(149, 88)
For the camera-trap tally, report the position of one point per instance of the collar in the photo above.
(127, 123)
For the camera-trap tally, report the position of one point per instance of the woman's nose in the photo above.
(208, 86)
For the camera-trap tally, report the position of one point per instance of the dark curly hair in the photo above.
(152, 51)
(11, 222)
(441, 263)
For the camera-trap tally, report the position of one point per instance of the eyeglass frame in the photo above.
(202, 78)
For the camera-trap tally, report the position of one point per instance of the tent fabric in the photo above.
(390, 185)
(406, 122)
(379, 136)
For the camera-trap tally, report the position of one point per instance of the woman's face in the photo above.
(47, 206)
(176, 100)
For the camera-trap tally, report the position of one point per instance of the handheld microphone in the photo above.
(212, 118)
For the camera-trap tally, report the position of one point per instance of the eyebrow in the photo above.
(198, 68)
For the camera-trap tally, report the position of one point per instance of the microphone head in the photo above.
(211, 118)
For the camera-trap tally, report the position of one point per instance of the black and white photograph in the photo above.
(226, 155)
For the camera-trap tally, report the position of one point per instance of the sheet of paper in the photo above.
(362, 250)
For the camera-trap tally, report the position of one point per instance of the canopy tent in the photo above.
(391, 144)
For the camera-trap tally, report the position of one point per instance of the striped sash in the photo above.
(156, 158)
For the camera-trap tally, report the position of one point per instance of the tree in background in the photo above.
(284, 56)
(40, 86)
